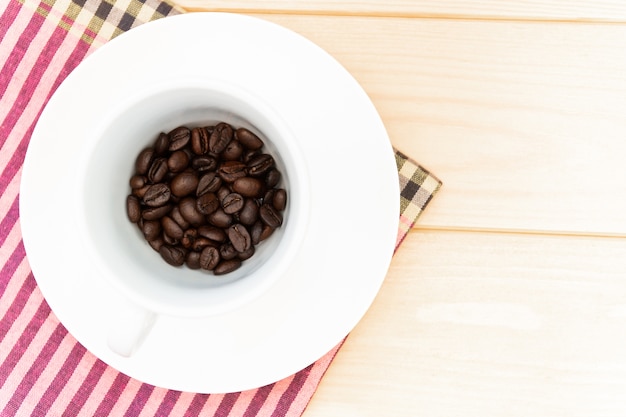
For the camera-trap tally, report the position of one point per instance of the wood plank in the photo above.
(578, 10)
(483, 324)
(523, 122)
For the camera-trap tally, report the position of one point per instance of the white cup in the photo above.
(120, 252)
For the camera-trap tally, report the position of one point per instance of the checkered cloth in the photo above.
(43, 369)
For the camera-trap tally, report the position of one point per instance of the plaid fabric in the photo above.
(43, 370)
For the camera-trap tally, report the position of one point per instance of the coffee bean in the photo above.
(248, 139)
(179, 137)
(214, 233)
(176, 215)
(208, 183)
(207, 203)
(261, 164)
(157, 195)
(227, 266)
(143, 161)
(173, 255)
(157, 171)
(248, 186)
(247, 254)
(162, 144)
(249, 214)
(133, 208)
(199, 140)
(209, 258)
(233, 151)
(206, 196)
(204, 163)
(193, 260)
(184, 184)
(171, 228)
(189, 212)
(239, 237)
(232, 203)
(220, 219)
(220, 138)
(137, 181)
(272, 178)
(270, 216)
(178, 161)
(229, 171)
(280, 199)
(155, 213)
(151, 229)
(228, 251)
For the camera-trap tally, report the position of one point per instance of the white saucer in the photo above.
(351, 234)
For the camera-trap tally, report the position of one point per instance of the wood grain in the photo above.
(488, 324)
(562, 10)
(524, 123)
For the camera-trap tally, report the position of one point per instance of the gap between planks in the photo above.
(512, 231)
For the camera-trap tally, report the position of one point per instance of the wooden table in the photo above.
(509, 297)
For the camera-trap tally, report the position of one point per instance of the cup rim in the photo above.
(231, 295)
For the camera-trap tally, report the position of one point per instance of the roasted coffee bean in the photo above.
(248, 139)
(233, 151)
(179, 137)
(193, 260)
(157, 171)
(232, 203)
(248, 186)
(207, 203)
(199, 140)
(189, 212)
(214, 233)
(272, 178)
(260, 164)
(239, 237)
(208, 183)
(220, 219)
(270, 215)
(229, 171)
(137, 181)
(155, 213)
(133, 208)
(227, 266)
(255, 232)
(189, 237)
(209, 258)
(173, 255)
(204, 163)
(202, 242)
(178, 161)
(228, 251)
(156, 243)
(178, 217)
(280, 199)
(143, 161)
(247, 254)
(171, 228)
(249, 214)
(220, 138)
(157, 195)
(266, 232)
(162, 144)
(184, 184)
(151, 229)
(208, 190)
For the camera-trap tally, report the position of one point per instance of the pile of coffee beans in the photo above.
(206, 196)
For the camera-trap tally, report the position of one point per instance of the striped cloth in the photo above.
(43, 370)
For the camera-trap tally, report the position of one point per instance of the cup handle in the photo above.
(129, 326)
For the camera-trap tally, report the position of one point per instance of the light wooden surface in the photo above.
(509, 297)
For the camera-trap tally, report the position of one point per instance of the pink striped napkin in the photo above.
(43, 369)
